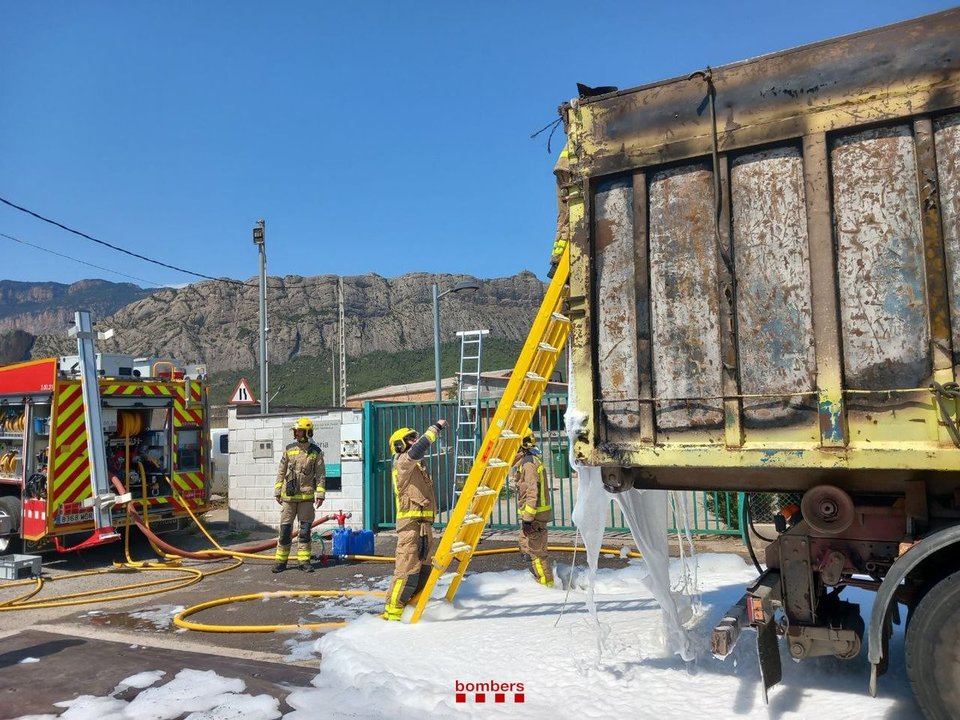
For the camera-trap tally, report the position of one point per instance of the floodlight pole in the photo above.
(260, 241)
(462, 285)
(436, 340)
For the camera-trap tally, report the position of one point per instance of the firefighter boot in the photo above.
(306, 566)
(280, 566)
(542, 572)
(422, 577)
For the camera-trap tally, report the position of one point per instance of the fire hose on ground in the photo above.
(134, 590)
(168, 552)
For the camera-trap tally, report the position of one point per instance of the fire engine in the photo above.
(82, 435)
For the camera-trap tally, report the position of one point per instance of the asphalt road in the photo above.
(131, 635)
(89, 648)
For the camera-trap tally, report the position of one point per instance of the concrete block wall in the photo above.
(251, 501)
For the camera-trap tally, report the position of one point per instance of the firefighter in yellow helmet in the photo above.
(416, 504)
(564, 179)
(534, 507)
(299, 491)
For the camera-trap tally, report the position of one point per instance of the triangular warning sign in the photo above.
(243, 395)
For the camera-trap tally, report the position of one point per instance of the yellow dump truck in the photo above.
(765, 297)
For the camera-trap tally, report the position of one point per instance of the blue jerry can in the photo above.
(341, 541)
(361, 542)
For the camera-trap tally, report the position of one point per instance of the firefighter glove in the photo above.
(424, 545)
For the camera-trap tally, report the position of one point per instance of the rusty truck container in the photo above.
(765, 269)
(765, 296)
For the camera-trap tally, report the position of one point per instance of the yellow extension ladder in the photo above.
(521, 398)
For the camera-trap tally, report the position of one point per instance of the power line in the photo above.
(115, 247)
(82, 262)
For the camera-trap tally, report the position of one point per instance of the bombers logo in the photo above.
(492, 691)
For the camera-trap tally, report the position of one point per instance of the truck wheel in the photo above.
(10, 505)
(933, 637)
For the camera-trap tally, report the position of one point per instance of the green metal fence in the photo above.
(713, 513)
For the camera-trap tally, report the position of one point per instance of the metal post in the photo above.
(436, 340)
(342, 343)
(460, 286)
(260, 241)
(102, 499)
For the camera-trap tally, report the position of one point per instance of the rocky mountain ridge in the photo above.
(48, 307)
(217, 322)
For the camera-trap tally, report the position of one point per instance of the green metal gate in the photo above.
(712, 513)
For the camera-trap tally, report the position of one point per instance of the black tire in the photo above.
(933, 637)
(11, 506)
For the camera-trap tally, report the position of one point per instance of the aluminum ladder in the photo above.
(521, 398)
(468, 405)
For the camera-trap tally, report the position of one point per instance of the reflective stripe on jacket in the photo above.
(302, 473)
(532, 494)
(412, 486)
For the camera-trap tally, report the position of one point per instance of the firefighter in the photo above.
(299, 491)
(416, 504)
(564, 179)
(534, 507)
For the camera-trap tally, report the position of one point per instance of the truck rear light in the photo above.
(755, 611)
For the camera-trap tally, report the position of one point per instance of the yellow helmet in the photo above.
(304, 424)
(397, 443)
(528, 439)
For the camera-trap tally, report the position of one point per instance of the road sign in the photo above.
(243, 395)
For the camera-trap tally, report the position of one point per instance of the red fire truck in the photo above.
(81, 436)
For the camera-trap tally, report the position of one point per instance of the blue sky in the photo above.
(371, 136)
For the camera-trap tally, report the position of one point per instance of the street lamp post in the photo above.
(462, 285)
(260, 242)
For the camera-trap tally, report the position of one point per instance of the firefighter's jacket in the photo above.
(532, 497)
(412, 485)
(302, 473)
(564, 175)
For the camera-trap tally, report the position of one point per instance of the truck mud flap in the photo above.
(768, 652)
(727, 632)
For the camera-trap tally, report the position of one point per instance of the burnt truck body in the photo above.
(765, 296)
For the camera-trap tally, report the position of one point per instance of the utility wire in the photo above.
(115, 247)
(82, 262)
(552, 127)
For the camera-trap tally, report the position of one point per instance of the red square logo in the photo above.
(499, 697)
(518, 697)
(481, 697)
(461, 697)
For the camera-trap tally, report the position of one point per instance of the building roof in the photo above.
(408, 390)
(416, 388)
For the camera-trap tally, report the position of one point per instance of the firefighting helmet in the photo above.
(528, 439)
(304, 424)
(398, 439)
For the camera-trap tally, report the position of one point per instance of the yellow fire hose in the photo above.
(179, 620)
(195, 575)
